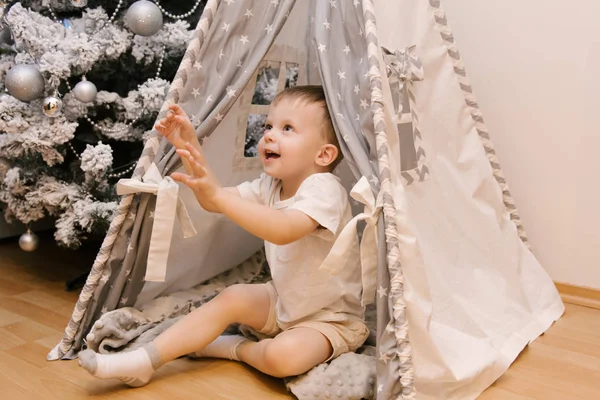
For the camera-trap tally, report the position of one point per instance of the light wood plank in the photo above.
(48, 301)
(29, 330)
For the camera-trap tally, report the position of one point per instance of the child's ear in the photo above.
(327, 154)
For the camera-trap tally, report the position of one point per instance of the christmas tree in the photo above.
(82, 84)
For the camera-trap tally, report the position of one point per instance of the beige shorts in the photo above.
(345, 332)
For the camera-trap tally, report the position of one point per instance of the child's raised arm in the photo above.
(275, 226)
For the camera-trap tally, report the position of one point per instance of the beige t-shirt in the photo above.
(302, 288)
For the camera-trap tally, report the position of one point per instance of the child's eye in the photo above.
(288, 128)
(268, 127)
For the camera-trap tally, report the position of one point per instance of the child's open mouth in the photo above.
(271, 155)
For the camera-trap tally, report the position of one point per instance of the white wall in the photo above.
(535, 68)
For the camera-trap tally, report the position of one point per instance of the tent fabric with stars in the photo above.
(457, 290)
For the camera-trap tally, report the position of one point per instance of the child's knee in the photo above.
(240, 298)
(281, 360)
(234, 295)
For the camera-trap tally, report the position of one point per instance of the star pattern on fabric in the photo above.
(230, 91)
(333, 3)
(346, 49)
(248, 13)
(219, 117)
(269, 28)
(123, 300)
(382, 292)
(356, 89)
(131, 216)
(195, 92)
(151, 215)
(341, 74)
(244, 39)
(104, 278)
(225, 27)
(380, 388)
(322, 47)
(198, 65)
(327, 24)
(229, 2)
(104, 310)
(384, 358)
(363, 104)
(130, 247)
(356, 3)
(275, 2)
(239, 64)
(209, 99)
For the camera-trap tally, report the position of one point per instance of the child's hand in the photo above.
(176, 127)
(207, 189)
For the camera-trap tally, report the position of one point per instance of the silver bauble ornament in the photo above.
(144, 18)
(24, 82)
(52, 106)
(79, 3)
(29, 241)
(85, 91)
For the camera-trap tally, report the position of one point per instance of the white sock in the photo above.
(225, 346)
(135, 368)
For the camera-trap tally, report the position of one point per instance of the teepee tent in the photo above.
(458, 292)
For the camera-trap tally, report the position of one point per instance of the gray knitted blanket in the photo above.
(350, 376)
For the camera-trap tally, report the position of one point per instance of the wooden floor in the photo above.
(34, 309)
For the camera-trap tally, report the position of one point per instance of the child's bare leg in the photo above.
(292, 352)
(245, 304)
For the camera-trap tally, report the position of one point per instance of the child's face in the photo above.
(292, 140)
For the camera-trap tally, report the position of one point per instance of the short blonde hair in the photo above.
(315, 94)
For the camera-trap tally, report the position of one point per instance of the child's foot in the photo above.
(225, 346)
(134, 368)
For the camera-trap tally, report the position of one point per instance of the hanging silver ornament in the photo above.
(85, 91)
(144, 18)
(52, 106)
(24, 82)
(79, 3)
(29, 241)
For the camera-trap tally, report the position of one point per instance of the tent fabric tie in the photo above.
(168, 207)
(402, 66)
(347, 240)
